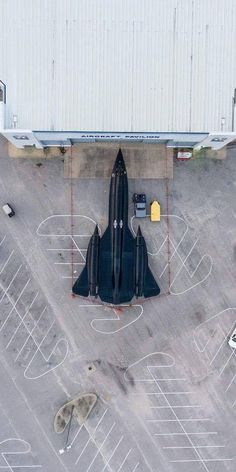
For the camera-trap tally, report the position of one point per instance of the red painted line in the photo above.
(72, 216)
(167, 222)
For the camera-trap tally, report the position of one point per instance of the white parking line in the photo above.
(12, 252)
(6, 454)
(165, 380)
(225, 365)
(12, 280)
(188, 434)
(193, 273)
(181, 425)
(191, 447)
(183, 262)
(176, 406)
(3, 239)
(77, 247)
(117, 318)
(13, 306)
(69, 263)
(225, 336)
(199, 460)
(113, 452)
(30, 332)
(166, 393)
(234, 377)
(19, 466)
(126, 457)
(178, 420)
(61, 249)
(91, 436)
(135, 467)
(26, 313)
(101, 446)
(46, 359)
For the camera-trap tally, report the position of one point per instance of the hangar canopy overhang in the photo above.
(40, 139)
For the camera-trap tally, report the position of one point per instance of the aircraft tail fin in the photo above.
(81, 285)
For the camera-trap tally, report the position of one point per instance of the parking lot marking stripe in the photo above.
(184, 434)
(30, 333)
(3, 239)
(75, 436)
(229, 358)
(101, 446)
(230, 383)
(225, 336)
(13, 306)
(176, 406)
(179, 419)
(199, 460)
(19, 466)
(192, 275)
(91, 436)
(39, 350)
(12, 280)
(9, 257)
(181, 425)
(59, 249)
(191, 447)
(135, 467)
(168, 393)
(114, 450)
(68, 263)
(26, 313)
(121, 465)
(76, 245)
(179, 243)
(163, 380)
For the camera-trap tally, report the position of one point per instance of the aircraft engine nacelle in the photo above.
(140, 264)
(93, 264)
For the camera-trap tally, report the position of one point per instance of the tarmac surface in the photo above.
(163, 371)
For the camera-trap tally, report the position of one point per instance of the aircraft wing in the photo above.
(150, 289)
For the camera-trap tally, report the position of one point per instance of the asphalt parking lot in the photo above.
(163, 371)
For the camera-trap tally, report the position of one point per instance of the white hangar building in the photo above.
(130, 70)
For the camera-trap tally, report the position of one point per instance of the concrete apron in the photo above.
(96, 160)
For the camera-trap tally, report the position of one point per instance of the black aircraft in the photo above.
(116, 266)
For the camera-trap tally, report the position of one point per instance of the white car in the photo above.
(8, 210)
(232, 339)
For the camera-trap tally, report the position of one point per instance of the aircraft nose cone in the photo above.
(139, 232)
(119, 165)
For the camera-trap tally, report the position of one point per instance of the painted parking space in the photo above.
(211, 340)
(28, 327)
(102, 445)
(175, 416)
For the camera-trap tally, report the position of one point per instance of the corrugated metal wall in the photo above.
(127, 65)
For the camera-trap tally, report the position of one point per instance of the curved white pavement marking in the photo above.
(143, 362)
(205, 258)
(65, 216)
(67, 234)
(11, 450)
(115, 320)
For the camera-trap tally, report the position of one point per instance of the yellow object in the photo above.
(155, 211)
